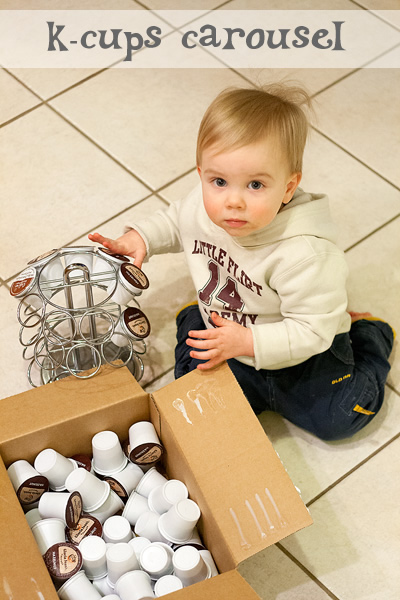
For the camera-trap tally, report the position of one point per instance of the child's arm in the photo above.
(227, 340)
(130, 244)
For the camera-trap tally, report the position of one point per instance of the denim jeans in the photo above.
(333, 394)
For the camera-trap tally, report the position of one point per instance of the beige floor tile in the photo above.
(374, 283)
(353, 546)
(14, 98)
(161, 382)
(389, 60)
(361, 114)
(360, 200)
(274, 576)
(57, 185)
(170, 288)
(181, 187)
(313, 465)
(151, 123)
(48, 82)
(290, 5)
(69, 5)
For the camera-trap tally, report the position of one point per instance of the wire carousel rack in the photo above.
(70, 323)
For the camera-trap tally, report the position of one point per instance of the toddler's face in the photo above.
(244, 189)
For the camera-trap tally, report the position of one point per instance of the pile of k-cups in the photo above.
(112, 525)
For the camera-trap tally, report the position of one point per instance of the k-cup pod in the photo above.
(164, 496)
(131, 282)
(166, 585)
(50, 265)
(63, 560)
(111, 597)
(86, 526)
(144, 442)
(124, 482)
(27, 482)
(27, 283)
(150, 480)
(103, 586)
(108, 456)
(138, 544)
(190, 566)
(135, 585)
(48, 532)
(207, 557)
(78, 587)
(194, 540)
(62, 505)
(82, 255)
(110, 507)
(133, 324)
(102, 258)
(33, 516)
(117, 529)
(55, 467)
(93, 550)
(147, 525)
(178, 523)
(136, 505)
(84, 461)
(156, 560)
(120, 559)
(94, 492)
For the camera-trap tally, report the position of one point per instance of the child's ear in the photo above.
(199, 170)
(291, 187)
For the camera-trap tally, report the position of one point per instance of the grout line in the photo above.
(391, 387)
(26, 112)
(372, 11)
(307, 572)
(346, 475)
(22, 83)
(371, 233)
(160, 189)
(158, 378)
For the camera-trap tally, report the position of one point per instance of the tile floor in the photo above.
(83, 149)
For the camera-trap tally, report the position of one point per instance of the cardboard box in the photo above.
(213, 442)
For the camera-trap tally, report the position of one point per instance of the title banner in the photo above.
(195, 39)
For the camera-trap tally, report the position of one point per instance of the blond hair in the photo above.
(240, 116)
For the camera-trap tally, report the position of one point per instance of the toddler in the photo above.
(270, 281)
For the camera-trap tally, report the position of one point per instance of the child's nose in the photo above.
(235, 199)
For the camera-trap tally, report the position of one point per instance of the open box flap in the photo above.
(249, 493)
(227, 586)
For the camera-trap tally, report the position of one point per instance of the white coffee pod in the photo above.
(121, 558)
(49, 266)
(138, 544)
(136, 505)
(131, 282)
(81, 255)
(93, 550)
(164, 496)
(135, 585)
(111, 597)
(117, 529)
(103, 586)
(156, 560)
(33, 516)
(132, 325)
(149, 481)
(147, 525)
(110, 507)
(78, 587)
(94, 492)
(28, 483)
(48, 532)
(124, 482)
(190, 566)
(55, 467)
(108, 456)
(166, 585)
(207, 557)
(145, 446)
(178, 523)
(62, 505)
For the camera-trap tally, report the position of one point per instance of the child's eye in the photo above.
(255, 185)
(219, 182)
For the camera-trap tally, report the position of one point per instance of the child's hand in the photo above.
(228, 340)
(130, 244)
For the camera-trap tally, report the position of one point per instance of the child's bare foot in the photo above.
(356, 316)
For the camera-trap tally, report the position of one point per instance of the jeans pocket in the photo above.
(360, 395)
(341, 348)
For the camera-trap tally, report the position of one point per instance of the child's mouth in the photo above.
(235, 223)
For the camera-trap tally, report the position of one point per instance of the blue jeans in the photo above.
(333, 394)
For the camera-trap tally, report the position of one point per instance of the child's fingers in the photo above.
(200, 344)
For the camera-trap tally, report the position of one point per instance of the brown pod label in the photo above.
(63, 560)
(134, 276)
(23, 282)
(136, 322)
(114, 254)
(146, 454)
(73, 511)
(42, 256)
(87, 525)
(118, 488)
(83, 461)
(32, 489)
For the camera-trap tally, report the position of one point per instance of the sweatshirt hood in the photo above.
(305, 214)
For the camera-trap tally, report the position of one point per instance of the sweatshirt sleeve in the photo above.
(160, 231)
(313, 304)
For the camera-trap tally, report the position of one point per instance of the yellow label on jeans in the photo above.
(363, 411)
